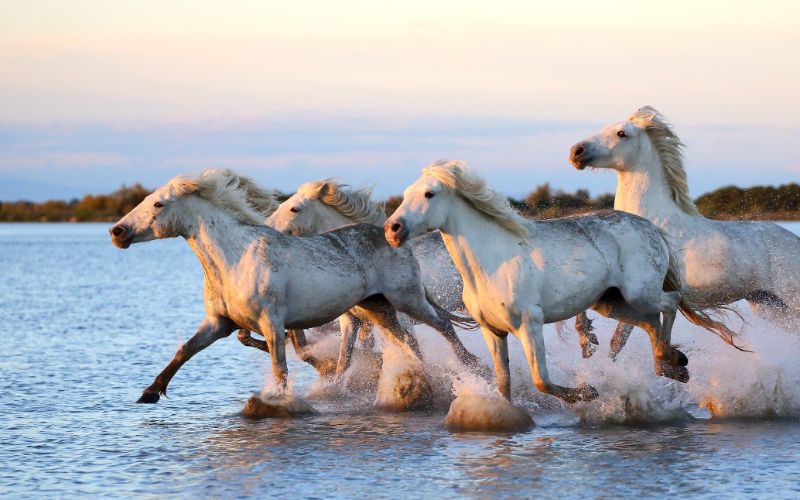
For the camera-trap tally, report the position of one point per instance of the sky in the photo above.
(96, 94)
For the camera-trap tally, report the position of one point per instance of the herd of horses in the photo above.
(455, 253)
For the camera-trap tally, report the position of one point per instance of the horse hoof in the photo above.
(582, 393)
(679, 373)
(679, 358)
(149, 397)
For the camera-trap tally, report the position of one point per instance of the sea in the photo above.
(86, 327)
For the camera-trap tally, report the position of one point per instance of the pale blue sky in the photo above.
(94, 94)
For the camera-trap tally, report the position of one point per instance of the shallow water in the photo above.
(88, 326)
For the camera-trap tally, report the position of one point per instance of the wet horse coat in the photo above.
(520, 274)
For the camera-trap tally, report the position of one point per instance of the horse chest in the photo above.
(491, 306)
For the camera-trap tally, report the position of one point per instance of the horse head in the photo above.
(619, 146)
(424, 209)
(305, 213)
(155, 217)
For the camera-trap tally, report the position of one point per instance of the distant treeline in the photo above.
(755, 203)
(90, 208)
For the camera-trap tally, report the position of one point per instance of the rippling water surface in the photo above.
(87, 327)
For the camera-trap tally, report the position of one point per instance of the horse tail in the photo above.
(466, 321)
(700, 315)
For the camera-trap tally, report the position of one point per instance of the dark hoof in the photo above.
(680, 358)
(679, 373)
(149, 397)
(582, 393)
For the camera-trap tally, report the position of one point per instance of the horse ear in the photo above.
(644, 116)
(324, 188)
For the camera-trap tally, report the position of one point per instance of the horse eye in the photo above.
(158, 204)
(294, 209)
(622, 133)
(429, 195)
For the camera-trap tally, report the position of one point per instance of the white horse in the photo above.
(259, 279)
(519, 274)
(322, 206)
(719, 262)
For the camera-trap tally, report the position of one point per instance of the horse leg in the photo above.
(247, 340)
(210, 331)
(380, 312)
(530, 334)
(437, 318)
(498, 348)
(349, 324)
(586, 338)
(619, 339)
(272, 330)
(669, 361)
(367, 336)
(298, 337)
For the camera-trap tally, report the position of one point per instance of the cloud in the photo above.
(516, 155)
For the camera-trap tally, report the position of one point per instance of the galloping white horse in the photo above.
(259, 279)
(321, 206)
(719, 262)
(519, 274)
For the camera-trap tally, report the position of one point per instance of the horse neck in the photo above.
(466, 234)
(643, 191)
(217, 238)
(330, 218)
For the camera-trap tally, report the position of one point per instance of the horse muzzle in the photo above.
(396, 232)
(121, 236)
(578, 156)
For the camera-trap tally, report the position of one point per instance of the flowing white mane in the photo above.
(670, 151)
(457, 175)
(355, 204)
(236, 194)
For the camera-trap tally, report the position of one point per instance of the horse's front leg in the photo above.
(532, 339)
(209, 332)
(498, 348)
(272, 330)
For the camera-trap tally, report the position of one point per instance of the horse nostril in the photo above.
(578, 151)
(117, 230)
(396, 227)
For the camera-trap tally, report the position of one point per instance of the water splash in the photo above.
(403, 384)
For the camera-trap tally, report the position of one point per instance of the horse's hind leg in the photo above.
(619, 339)
(669, 361)
(380, 312)
(323, 366)
(417, 307)
(298, 338)
(247, 340)
(586, 337)
(349, 324)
